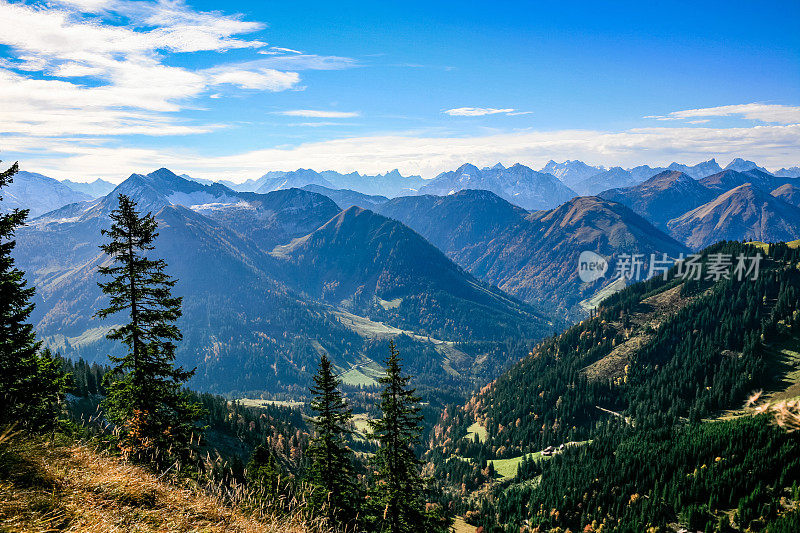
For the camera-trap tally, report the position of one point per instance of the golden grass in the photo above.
(69, 487)
(459, 526)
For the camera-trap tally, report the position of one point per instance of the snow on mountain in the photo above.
(517, 184)
(38, 193)
(742, 165)
(571, 172)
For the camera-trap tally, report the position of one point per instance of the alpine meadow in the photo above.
(361, 267)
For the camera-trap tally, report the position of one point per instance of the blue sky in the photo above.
(103, 88)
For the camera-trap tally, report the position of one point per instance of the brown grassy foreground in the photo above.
(64, 486)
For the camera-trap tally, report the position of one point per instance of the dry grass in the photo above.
(653, 311)
(786, 413)
(46, 486)
(459, 526)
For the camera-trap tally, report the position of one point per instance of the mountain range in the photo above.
(728, 205)
(518, 184)
(531, 255)
(389, 184)
(271, 281)
(745, 213)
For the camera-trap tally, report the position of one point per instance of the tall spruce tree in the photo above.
(337, 493)
(399, 486)
(145, 396)
(31, 382)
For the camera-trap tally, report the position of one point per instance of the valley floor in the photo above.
(65, 486)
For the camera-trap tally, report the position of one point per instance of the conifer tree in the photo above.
(263, 469)
(331, 469)
(31, 382)
(399, 486)
(145, 399)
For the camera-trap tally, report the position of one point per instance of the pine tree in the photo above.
(263, 470)
(145, 399)
(399, 486)
(31, 383)
(331, 469)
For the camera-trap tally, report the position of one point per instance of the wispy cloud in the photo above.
(318, 113)
(277, 50)
(301, 62)
(318, 124)
(482, 111)
(769, 113)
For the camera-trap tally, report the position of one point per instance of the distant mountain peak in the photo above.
(163, 173)
(669, 176)
(743, 165)
(467, 167)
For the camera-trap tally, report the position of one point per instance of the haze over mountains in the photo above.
(95, 189)
(38, 193)
(518, 184)
(553, 185)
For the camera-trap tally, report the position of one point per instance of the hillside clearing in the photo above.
(477, 429)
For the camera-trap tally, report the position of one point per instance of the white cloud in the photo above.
(120, 47)
(262, 79)
(316, 113)
(482, 111)
(769, 113)
(772, 146)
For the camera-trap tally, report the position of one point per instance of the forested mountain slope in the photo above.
(658, 361)
(382, 269)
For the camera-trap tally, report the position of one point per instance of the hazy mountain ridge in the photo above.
(95, 189)
(379, 268)
(518, 184)
(345, 198)
(663, 197)
(37, 193)
(390, 184)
